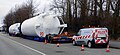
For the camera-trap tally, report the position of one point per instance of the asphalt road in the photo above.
(17, 46)
(115, 44)
(11, 47)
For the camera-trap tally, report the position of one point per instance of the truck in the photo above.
(64, 37)
(39, 27)
(14, 29)
(92, 37)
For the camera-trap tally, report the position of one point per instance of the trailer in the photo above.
(39, 27)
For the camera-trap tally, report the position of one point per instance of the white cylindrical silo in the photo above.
(14, 29)
(41, 26)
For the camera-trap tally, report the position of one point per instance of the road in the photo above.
(11, 47)
(17, 46)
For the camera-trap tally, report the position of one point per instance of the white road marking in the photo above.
(29, 48)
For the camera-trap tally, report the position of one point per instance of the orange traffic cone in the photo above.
(45, 42)
(58, 44)
(82, 49)
(108, 50)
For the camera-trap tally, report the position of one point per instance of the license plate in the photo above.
(98, 38)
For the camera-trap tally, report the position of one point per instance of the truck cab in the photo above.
(64, 37)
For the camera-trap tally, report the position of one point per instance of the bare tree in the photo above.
(22, 12)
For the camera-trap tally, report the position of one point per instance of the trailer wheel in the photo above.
(10, 34)
(105, 46)
(74, 43)
(89, 44)
(48, 38)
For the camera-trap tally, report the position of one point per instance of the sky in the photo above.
(6, 5)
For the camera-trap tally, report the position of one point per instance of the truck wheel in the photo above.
(105, 46)
(47, 38)
(74, 43)
(50, 39)
(10, 34)
(89, 44)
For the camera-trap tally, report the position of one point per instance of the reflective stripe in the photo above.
(82, 37)
(105, 40)
(93, 35)
(101, 42)
(97, 41)
(106, 30)
(96, 35)
(88, 36)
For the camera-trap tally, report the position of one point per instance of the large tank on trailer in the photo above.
(41, 26)
(14, 29)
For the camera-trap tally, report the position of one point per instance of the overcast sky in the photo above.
(6, 5)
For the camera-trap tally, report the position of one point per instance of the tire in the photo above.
(10, 34)
(105, 46)
(74, 43)
(89, 44)
(47, 38)
(50, 39)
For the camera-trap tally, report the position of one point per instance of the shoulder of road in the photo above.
(115, 44)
